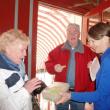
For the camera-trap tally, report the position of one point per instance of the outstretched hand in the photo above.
(89, 64)
(59, 67)
(65, 97)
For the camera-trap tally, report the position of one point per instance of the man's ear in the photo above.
(79, 34)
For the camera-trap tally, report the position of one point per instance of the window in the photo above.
(52, 23)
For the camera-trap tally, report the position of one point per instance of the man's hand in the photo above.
(59, 68)
(89, 64)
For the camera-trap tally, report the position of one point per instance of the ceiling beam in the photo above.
(105, 4)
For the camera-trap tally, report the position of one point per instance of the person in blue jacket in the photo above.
(99, 41)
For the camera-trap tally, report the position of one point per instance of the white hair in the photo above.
(74, 25)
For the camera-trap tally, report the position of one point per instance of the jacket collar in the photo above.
(6, 63)
(79, 48)
(106, 53)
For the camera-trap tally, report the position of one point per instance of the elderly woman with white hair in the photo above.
(15, 93)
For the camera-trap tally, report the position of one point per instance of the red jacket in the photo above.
(82, 77)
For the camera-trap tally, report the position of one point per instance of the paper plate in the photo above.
(54, 91)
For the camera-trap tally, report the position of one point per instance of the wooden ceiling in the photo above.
(78, 6)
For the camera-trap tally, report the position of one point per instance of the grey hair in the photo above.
(76, 26)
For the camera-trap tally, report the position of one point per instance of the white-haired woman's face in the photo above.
(16, 51)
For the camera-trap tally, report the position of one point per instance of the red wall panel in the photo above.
(23, 24)
(23, 20)
(23, 15)
(7, 11)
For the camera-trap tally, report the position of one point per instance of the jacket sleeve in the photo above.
(103, 87)
(13, 101)
(52, 61)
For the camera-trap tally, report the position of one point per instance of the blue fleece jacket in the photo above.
(101, 96)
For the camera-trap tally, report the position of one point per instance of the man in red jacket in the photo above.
(69, 62)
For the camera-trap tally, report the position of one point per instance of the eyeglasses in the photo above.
(73, 33)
